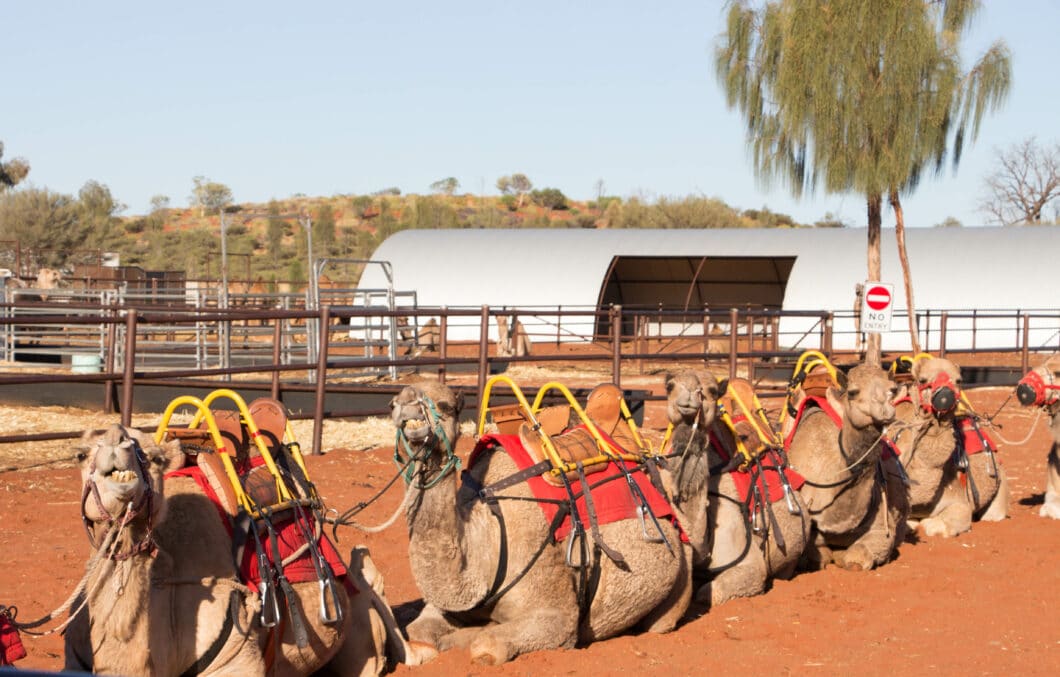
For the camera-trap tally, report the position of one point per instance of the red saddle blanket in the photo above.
(768, 478)
(973, 443)
(289, 538)
(613, 500)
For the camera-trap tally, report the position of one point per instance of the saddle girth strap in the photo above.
(204, 661)
(594, 525)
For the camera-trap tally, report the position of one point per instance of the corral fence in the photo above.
(358, 341)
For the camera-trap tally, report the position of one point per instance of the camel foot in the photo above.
(855, 558)
(419, 653)
(1050, 509)
(489, 650)
(933, 526)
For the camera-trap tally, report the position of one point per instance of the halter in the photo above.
(406, 463)
(1033, 389)
(145, 505)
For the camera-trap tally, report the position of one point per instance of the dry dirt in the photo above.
(982, 603)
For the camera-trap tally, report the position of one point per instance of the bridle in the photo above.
(120, 521)
(412, 462)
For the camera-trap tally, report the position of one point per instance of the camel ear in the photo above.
(723, 387)
(458, 396)
(841, 379)
(173, 455)
(669, 381)
(837, 398)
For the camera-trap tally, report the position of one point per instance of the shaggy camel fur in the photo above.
(192, 576)
(855, 495)
(719, 528)
(455, 543)
(940, 495)
(1050, 404)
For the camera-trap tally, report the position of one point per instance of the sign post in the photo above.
(876, 310)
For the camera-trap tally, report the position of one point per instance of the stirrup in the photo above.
(328, 591)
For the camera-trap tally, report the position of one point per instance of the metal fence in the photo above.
(122, 341)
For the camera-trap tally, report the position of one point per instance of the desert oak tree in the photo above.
(858, 96)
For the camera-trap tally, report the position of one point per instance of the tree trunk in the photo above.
(907, 278)
(875, 208)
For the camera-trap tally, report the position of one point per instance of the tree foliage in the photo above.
(447, 186)
(858, 96)
(549, 198)
(1025, 182)
(42, 220)
(11, 172)
(98, 215)
(209, 196)
(516, 185)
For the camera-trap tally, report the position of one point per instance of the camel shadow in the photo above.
(1033, 499)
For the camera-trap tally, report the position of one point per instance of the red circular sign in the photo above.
(878, 298)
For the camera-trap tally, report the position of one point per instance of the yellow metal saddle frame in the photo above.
(205, 416)
(546, 428)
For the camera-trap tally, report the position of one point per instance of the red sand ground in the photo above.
(983, 603)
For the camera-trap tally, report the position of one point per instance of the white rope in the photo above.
(397, 513)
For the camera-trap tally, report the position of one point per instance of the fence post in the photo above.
(130, 368)
(943, 321)
(443, 342)
(616, 345)
(829, 320)
(1025, 357)
(734, 328)
(108, 366)
(321, 381)
(277, 347)
(483, 353)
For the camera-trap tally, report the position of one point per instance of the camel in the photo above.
(1039, 388)
(739, 557)
(163, 594)
(854, 492)
(492, 577)
(947, 486)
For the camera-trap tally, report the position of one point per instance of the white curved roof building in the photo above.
(801, 269)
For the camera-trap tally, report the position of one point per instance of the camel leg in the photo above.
(430, 626)
(998, 508)
(665, 617)
(372, 596)
(540, 629)
(952, 515)
(874, 547)
(747, 574)
(1051, 507)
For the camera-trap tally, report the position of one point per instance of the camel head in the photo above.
(121, 474)
(937, 384)
(864, 397)
(426, 417)
(687, 398)
(1038, 387)
(49, 278)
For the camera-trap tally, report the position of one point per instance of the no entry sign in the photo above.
(876, 309)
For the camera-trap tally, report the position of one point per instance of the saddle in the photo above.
(258, 482)
(573, 443)
(740, 391)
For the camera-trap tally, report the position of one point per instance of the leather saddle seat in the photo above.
(744, 429)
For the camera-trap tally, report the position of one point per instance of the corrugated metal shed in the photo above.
(800, 269)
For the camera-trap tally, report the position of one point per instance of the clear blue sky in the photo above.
(322, 98)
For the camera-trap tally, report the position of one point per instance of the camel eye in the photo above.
(853, 393)
(81, 455)
(922, 380)
(893, 390)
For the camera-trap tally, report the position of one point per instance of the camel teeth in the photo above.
(123, 476)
